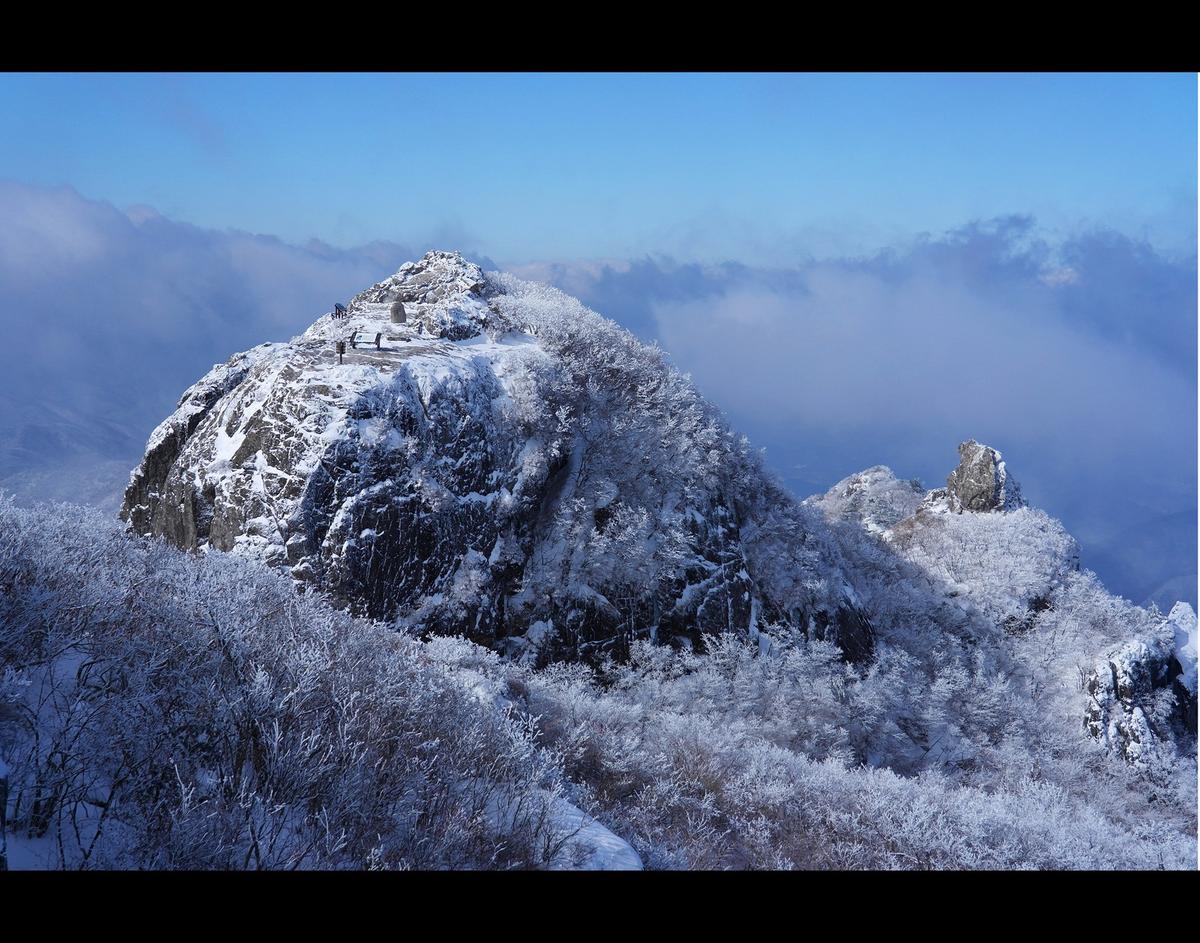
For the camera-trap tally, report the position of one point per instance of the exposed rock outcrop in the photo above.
(981, 482)
(147, 507)
(472, 478)
(1138, 705)
(442, 294)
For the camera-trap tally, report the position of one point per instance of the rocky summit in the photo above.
(504, 464)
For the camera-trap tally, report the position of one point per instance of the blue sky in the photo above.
(527, 167)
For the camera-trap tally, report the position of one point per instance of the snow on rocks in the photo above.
(1120, 694)
(1142, 696)
(167, 440)
(231, 468)
(981, 482)
(1182, 620)
(506, 460)
(443, 296)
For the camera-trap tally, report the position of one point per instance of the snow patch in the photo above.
(1183, 620)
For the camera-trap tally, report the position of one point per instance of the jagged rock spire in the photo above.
(981, 481)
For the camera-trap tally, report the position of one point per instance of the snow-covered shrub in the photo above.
(173, 710)
(1002, 562)
(781, 755)
(186, 712)
(637, 423)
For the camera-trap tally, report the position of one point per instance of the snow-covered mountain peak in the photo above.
(441, 295)
(488, 457)
(436, 276)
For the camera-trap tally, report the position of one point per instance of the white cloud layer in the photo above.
(1087, 382)
(1077, 359)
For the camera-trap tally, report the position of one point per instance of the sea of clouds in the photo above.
(1074, 356)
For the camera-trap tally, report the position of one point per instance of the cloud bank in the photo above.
(107, 316)
(1077, 358)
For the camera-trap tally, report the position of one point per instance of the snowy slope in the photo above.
(971, 563)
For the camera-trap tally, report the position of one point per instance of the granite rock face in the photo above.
(470, 478)
(981, 481)
(147, 505)
(1139, 704)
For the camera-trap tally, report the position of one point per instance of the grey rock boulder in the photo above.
(981, 481)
